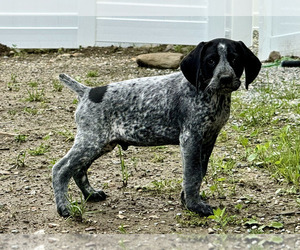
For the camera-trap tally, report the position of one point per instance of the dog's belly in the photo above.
(149, 134)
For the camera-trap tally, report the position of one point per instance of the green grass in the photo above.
(67, 134)
(267, 131)
(77, 209)
(164, 186)
(92, 73)
(35, 94)
(40, 150)
(57, 86)
(20, 138)
(124, 168)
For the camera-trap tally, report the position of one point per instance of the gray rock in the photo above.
(160, 60)
(274, 56)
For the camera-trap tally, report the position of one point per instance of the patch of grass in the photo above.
(32, 111)
(281, 155)
(221, 218)
(12, 85)
(189, 218)
(69, 135)
(20, 161)
(21, 138)
(12, 112)
(158, 158)
(77, 208)
(261, 129)
(40, 150)
(35, 95)
(57, 86)
(92, 73)
(122, 229)
(170, 185)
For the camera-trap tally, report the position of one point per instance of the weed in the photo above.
(164, 186)
(67, 134)
(221, 218)
(31, 111)
(12, 112)
(40, 150)
(158, 158)
(239, 207)
(17, 51)
(13, 78)
(124, 169)
(20, 161)
(77, 208)
(20, 138)
(258, 228)
(189, 218)
(33, 84)
(52, 163)
(122, 229)
(57, 86)
(92, 73)
(35, 95)
(75, 101)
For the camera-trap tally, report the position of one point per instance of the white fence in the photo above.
(74, 23)
(279, 27)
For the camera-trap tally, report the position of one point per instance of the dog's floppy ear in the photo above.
(252, 64)
(190, 65)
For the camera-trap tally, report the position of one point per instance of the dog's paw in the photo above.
(63, 211)
(96, 196)
(198, 206)
(201, 208)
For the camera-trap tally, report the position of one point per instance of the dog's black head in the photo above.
(218, 65)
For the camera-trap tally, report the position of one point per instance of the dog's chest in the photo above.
(217, 114)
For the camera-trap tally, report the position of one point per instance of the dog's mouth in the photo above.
(236, 83)
(212, 87)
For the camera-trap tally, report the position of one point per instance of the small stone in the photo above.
(120, 216)
(89, 229)
(210, 231)
(64, 55)
(52, 225)
(15, 231)
(42, 231)
(153, 217)
(91, 244)
(78, 55)
(53, 240)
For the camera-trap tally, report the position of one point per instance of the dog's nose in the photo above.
(225, 79)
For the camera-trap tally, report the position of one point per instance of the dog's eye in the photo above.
(211, 62)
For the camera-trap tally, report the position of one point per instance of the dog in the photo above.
(186, 108)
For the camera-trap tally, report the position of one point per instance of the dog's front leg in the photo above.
(193, 173)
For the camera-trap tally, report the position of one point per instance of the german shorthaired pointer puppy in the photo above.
(187, 108)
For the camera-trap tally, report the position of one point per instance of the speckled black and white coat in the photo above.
(187, 108)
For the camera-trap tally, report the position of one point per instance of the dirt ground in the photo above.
(36, 128)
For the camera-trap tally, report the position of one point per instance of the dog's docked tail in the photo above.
(77, 87)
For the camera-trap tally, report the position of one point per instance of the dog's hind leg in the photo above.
(74, 164)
